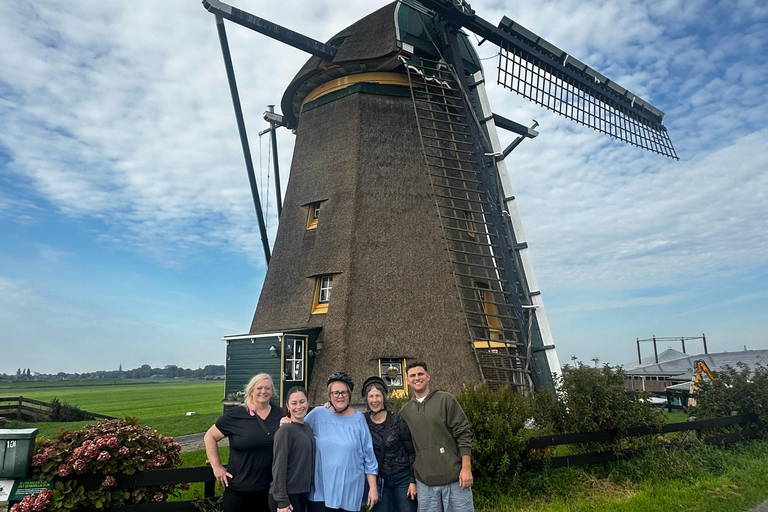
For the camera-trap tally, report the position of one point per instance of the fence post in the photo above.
(18, 409)
(209, 488)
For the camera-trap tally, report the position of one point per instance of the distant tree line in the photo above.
(144, 371)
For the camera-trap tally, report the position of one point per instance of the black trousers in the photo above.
(298, 501)
(237, 501)
(319, 506)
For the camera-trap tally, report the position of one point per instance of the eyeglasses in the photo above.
(339, 394)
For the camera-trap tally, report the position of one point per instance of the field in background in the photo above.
(161, 404)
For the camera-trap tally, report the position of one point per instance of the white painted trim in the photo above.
(248, 336)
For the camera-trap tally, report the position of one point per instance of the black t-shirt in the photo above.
(250, 448)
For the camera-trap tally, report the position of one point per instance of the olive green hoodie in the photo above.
(441, 435)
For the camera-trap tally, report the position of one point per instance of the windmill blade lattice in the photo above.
(544, 86)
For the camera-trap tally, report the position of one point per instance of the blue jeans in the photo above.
(444, 498)
(395, 498)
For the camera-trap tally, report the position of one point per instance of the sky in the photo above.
(128, 234)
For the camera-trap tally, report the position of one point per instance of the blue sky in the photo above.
(127, 232)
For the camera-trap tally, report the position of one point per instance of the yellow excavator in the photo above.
(699, 368)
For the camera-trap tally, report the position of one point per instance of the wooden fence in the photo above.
(613, 435)
(20, 408)
(205, 473)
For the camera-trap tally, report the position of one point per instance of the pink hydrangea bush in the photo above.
(107, 448)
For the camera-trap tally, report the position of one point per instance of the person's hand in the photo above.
(465, 478)
(221, 474)
(283, 421)
(411, 491)
(373, 497)
(286, 509)
(327, 405)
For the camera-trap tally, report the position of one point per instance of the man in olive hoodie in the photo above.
(443, 441)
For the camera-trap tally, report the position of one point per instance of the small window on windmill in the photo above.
(313, 215)
(470, 224)
(323, 286)
(391, 370)
(490, 311)
(293, 367)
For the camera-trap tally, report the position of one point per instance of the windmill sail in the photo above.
(540, 71)
(548, 76)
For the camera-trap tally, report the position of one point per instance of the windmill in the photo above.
(399, 237)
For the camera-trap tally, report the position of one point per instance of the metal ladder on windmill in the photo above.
(464, 190)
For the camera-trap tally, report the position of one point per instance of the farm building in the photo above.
(676, 368)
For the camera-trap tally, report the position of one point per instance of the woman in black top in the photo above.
(250, 430)
(394, 450)
(294, 462)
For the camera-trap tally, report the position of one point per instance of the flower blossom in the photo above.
(159, 496)
(65, 470)
(123, 450)
(42, 500)
(109, 481)
(25, 505)
(80, 465)
(104, 456)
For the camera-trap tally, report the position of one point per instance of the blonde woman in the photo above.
(250, 429)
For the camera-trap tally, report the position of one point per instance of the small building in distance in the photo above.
(675, 367)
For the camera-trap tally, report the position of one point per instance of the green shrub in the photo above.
(593, 399)
(498, 420)
(63, 411)
(741, 390)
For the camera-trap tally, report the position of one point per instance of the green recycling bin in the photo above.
(16, 446)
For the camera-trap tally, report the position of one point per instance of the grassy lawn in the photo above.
(161, 404)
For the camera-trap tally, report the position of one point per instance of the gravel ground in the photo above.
(194, 442)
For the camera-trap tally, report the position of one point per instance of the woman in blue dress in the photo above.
(344, 457)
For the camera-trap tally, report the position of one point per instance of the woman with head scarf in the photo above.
(394, 450)
(344, 458)
(250, 430)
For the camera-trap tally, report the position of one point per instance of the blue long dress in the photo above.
(343, 456)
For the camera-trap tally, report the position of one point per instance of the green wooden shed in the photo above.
(288, 357)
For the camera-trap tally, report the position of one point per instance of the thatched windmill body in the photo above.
(399, 237)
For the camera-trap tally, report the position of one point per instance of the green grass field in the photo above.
(161, 404)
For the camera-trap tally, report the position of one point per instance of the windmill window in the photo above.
(490, 312)
(323, 287)
(294, 359)
(391, 370)
(312, 215)
(470, 223)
